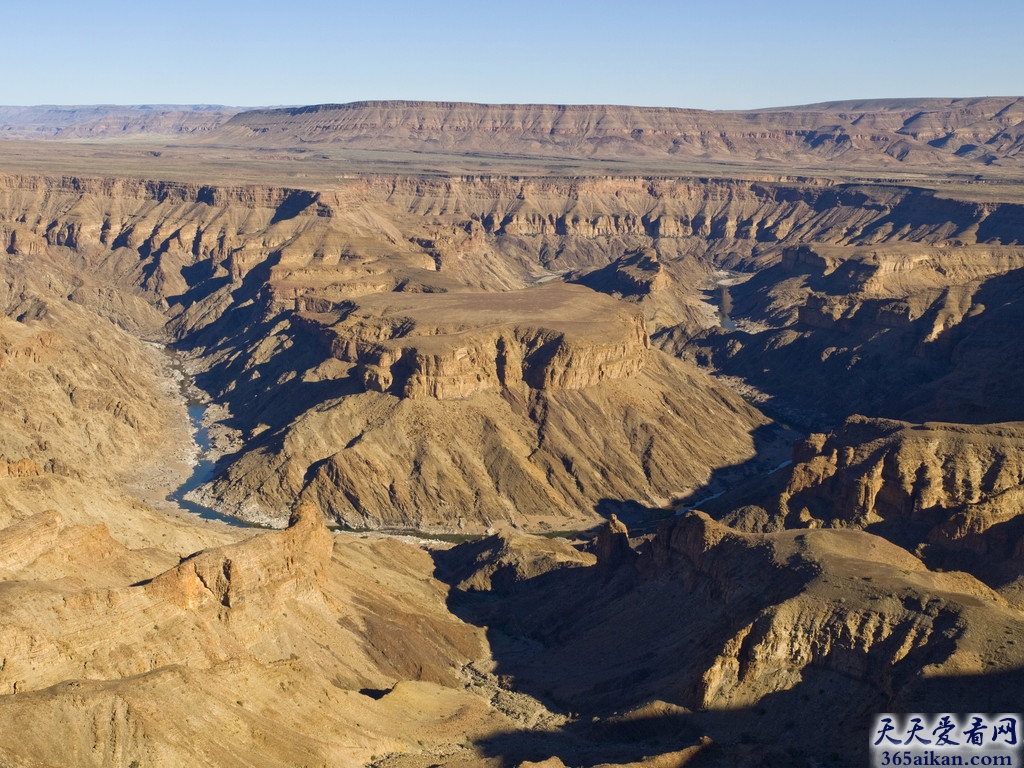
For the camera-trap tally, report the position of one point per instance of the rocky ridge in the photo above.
(106, 122)
(342, 277)
(823, 623)
(921, 327)
(952, 488)
(451, 345)
(959, 133)
(253, 630)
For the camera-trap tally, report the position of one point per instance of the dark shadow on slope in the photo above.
(995, 556)
(267, 396)
(639, 518)
(1004, 225)
(270, 393)
(825, 720)
(876, 361)
(772, 454)
(625, 652)
(592, 742)
(250, 301)
(294, 203)
(630, 276)
(920, 210)
(201, 282)
(987, 356)
(598, 641)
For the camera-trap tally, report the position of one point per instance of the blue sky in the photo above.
(739, 55)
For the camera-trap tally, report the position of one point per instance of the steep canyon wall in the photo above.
(378, 288)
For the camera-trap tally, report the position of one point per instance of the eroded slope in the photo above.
(958, 133)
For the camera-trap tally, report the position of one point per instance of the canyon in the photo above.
(532, 500)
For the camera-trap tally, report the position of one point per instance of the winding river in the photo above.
(204, 470)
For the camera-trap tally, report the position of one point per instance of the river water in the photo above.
(725, 279)
(205, 469)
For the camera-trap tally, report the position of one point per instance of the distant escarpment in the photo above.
(109, 122)
(960, 133)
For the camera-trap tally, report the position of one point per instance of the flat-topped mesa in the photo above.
(957, 132)
(449, 346)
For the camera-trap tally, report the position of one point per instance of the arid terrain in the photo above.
(532, 435)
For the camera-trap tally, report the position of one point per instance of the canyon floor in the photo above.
(561, 436)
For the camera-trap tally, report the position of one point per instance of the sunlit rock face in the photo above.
(449, 346)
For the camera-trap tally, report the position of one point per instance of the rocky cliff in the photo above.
(950, 487)
(956, 132)
(740, 637)
(511, 455)
(910, 331)
(273, 638)
(451, 345)
(81, 397)
(464, 351)
(450, 290)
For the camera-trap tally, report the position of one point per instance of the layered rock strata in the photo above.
(450, 346)
(740, 637)
(909, 331)
(296, 648)
(511, 455)
(294, 302)
(879, 133)
(959, 487)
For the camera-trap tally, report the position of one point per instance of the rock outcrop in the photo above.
(611, 545)
(908, 331)
(748, 633)
(422, 289)
(452, 345)
(503, 561)
(511, 456)
(497, 345)
(313, 648)
(951, 487)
